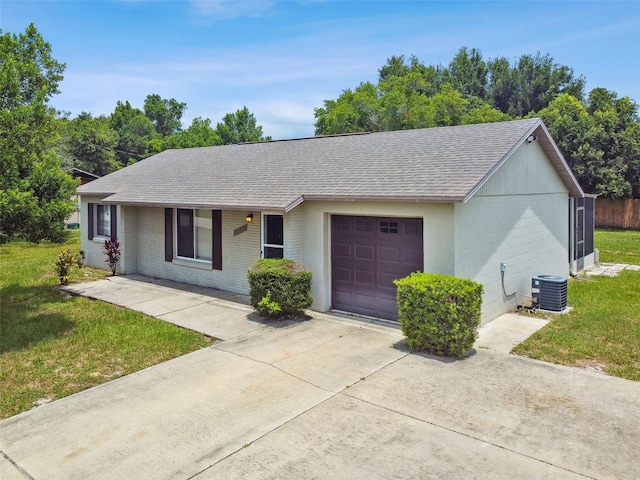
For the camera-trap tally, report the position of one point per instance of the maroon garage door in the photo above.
(367, 255)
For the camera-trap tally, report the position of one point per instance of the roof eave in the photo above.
(387, 198)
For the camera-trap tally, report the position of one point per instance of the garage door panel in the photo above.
(386, 280)
(342, 298)
(342, 274)
(342, 250)
(365, 278)
(364, 252)
(412, 256)
(380, 251)
(365, 301)
(387, 308)
(389, 254)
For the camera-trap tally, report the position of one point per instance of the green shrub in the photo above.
(63, 265)
(279, 287)
(439, 314)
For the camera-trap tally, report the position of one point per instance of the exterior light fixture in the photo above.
(249, 218)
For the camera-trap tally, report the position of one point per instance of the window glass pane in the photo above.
(203, 234)
(103, 220)
(185, 233)
(273, 252)
(273, 230)
(389, 227)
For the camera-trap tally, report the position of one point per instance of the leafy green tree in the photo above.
(599, 140)
(89, 143)
(469, 73)
(165, 115)
(354, 111)
(530, 84)
(199, 134)
(240, 127)
(135, 133)
(400, 103)
(35, 192)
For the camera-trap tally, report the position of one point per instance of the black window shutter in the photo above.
(168, 234)
(216, 228)
(91, 207)
(114, 222)
(185, 233)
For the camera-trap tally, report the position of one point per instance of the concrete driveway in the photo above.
(325, 398)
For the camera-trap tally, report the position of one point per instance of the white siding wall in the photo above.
(438, 237)
(519, 217)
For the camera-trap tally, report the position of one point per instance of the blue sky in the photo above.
(283, 58)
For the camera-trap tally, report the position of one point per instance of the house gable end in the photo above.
(539, 136)
(526, 171)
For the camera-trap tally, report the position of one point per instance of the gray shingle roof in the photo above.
(446, 164)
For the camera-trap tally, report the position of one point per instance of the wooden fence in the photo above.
(623, 213)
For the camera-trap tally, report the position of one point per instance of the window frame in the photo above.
(103, 217)
(264, 232)
(193, 236)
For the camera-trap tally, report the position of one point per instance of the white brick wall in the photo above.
(294, 234)
(238, 252)
(94, 256)
(519, 217)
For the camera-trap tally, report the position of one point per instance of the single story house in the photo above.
(358, 210)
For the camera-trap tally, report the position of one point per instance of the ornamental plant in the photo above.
(439, 314)
(63, 266)
(112, 251)
(279, 288)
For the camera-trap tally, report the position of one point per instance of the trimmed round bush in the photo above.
(439, 314)
(279, 288)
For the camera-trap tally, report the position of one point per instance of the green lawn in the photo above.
(603, 330)
(53, 344)
(618, 246)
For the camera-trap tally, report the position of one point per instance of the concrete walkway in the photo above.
(325, 397)
(610, 269)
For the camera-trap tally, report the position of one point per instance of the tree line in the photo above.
(103, 144)
(598, 133)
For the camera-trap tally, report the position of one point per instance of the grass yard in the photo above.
(603, 330)
(618, 246)
(53, 344)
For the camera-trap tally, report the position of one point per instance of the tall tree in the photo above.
(600, 141)
(240, 127)
(469, 73)
(35, 193)
(165, 115)
(530, 84)
(89, 143)
(135, 132)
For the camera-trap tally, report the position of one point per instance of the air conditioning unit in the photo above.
(549, 292)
